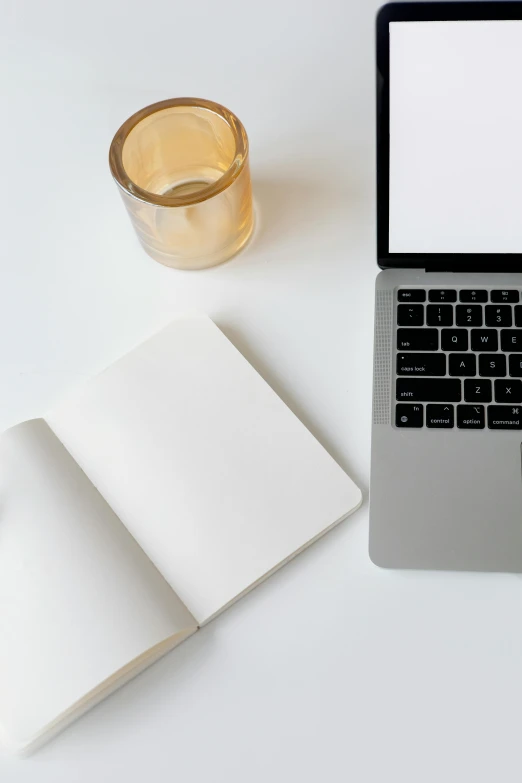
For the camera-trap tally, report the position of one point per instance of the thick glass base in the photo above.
(201, 262)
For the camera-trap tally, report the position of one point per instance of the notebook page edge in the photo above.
(24, 748)
(282, 563)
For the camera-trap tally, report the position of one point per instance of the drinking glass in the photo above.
(182, 169)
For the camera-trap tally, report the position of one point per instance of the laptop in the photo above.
(446, 474)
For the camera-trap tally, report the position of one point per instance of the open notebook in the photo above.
(140, 508)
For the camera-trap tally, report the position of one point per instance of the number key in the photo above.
(470, 315)
(498, 315)
(410, 315)
(439, 315)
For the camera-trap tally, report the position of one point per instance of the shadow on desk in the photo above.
(286, 206)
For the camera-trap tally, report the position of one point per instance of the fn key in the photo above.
(409, 415)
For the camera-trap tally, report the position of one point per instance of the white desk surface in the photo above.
(333, 670)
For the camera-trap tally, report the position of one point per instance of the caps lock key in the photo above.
(421, 364)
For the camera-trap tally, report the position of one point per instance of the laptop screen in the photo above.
(455, 155)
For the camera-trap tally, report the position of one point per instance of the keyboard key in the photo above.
(417, 339)
(508, 391)
(440, 416)
(462, 363)
(470, 315)
(515, 366)
(492, 365)
(422, 363)
(511, 340)
(473, 296)
(518, 315)
(454, 339)
(470, 417)
(504, 417)
(409, 415)
(505, 296)
(439, 315)
(411, 295)
(484, 340)
(410, 315)
(440, 295)
(498, 315)
(429, 390)
(477, 390)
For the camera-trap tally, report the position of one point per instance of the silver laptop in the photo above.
(446, 477)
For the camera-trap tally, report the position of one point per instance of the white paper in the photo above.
(207, 468)
(455, 152)
(79, 601)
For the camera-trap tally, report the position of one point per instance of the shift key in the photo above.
(429, 389)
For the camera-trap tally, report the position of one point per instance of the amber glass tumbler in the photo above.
(182, 169)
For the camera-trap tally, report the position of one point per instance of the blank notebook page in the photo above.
(212, 474)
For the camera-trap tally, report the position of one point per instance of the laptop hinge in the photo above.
(469, 266)
(429, 268)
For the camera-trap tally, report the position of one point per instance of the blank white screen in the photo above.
(455, 137)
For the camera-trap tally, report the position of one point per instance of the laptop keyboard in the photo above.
(459, 359)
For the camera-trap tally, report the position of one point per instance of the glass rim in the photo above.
(227, 178)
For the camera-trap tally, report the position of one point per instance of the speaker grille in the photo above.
(382, 357)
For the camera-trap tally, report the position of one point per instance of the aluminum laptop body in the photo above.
(446, 473)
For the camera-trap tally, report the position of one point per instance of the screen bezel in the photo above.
(427, 12)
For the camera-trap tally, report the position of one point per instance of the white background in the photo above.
(455, 152)
(333, 670)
